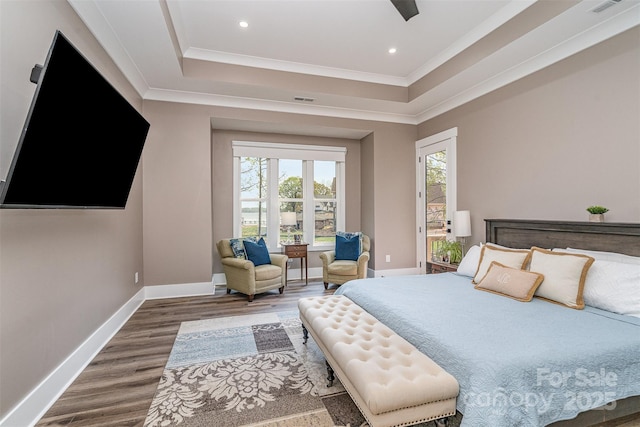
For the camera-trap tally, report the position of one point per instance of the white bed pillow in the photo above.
(514, 258)
(606, 256)
(469, 264)
(613, 286)
(564, 276)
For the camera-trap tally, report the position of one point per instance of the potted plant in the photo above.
(596, 213)
(451, 250)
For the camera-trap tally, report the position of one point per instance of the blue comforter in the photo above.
(518, 364)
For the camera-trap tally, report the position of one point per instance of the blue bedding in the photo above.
(518, 364)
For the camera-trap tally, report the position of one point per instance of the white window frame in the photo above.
(307, 153)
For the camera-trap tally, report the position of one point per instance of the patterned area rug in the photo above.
(248, 370)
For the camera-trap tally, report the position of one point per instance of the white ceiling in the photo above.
(150, 40)
(347, 37)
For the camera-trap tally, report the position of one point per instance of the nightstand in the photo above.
(434, 267)
(297, 250)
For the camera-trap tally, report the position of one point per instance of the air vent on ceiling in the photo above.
(304, 99)
(606, 5)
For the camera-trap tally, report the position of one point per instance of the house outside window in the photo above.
(287, 192)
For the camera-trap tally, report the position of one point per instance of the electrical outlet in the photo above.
(135, 278)
(388, 258)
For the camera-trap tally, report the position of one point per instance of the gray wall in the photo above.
(188, 182)
(549, 145)
(63, 273)
(177, 196)
(545, 147)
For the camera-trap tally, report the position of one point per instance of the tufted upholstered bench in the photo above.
(391, 381)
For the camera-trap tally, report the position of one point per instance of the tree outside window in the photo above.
(436, 200)
(325, 202)
(269, 186)
(291, 196)
(253, 196)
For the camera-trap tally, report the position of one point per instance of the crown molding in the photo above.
(292, 67)
(512, 9)
(275, 106)
(90, 14)
(598, 33)
(453, 93)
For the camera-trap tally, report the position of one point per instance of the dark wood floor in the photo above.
(117, 387)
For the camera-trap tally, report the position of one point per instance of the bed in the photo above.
(519, 363)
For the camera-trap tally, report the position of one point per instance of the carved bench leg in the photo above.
(330, 376)
(305, 335)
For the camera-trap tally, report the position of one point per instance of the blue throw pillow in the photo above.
(348, 246)
(257, 253)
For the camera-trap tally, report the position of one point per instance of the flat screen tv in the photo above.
(81, 141)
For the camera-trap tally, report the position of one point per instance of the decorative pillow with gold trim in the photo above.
(564, 276)
(510, 282)
(514, 258)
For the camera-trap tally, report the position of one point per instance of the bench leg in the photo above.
(305, 335)
(330, 376)
(442, 422)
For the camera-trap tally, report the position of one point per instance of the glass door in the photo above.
(435, 202)
(436, 198)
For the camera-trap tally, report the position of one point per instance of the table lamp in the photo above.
(288, 219)
(462, 225)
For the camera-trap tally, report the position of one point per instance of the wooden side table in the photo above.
(434, 267)
(297, 250)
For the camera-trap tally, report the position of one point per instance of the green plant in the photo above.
(597, 209)
(452, 248)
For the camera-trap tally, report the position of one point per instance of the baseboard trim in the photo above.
(44, 395)
(315, 273)
(179, 290)
(28, 411)
(393, 272)
(219, 279)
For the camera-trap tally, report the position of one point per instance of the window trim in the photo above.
(306, 153)
(274, 150)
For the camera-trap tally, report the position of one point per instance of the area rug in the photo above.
(251, 370)
(248, 370)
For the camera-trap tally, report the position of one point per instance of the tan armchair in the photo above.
(244, 277)
(341, 271)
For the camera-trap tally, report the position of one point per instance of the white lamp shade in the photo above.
(462, 223)
(288, 218)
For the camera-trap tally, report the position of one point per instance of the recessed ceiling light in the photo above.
(392, 50)
(243, 24)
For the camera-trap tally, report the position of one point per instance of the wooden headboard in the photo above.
(598, 236)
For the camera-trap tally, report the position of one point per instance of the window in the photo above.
(324, 202)
(285, 191)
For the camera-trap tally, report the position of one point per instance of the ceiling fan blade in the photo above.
(407, 8)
